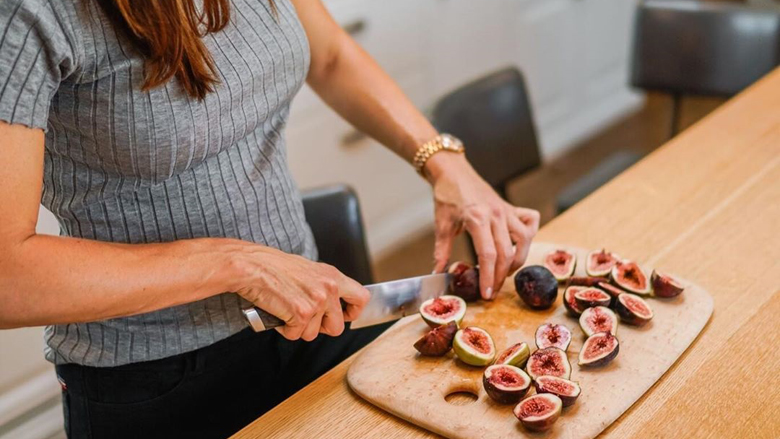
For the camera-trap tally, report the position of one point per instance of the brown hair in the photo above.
(168, 33)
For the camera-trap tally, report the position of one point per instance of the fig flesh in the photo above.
(441, 310)
(567, 390)
(598, 319)
(536, 286)
(633, 309)
(474, 346)
(437, 341)
(465, 281)
(505, 384)
(568, 300)
(515, 355)
(552, 335)
(548, 361)
(590, 297)
(630, 277)
(600, 263)
(561, 264)
(665, 285)
(539, 412)
(599, 349)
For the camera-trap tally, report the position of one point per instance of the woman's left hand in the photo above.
(502, 233)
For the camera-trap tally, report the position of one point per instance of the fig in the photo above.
(599, 349)
(552, 335)
(536, 286)
(600, 263)
(610, 289)
(665, 285)
(548, 361)
(539, 412)
(437, 341)
(568, 300)
(567, 390)
(590, 297)
(465, 281)
(630, 277)
(441, 310)
(505, 384)
(561, 264)
(633, 309)
(598, 319)
(515, 355)
(588, 281)
(474, 346)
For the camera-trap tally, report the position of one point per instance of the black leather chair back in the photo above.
(706, 48)
(333, 213)
(492, 116)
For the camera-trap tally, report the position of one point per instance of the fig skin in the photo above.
(665, 286)
(543, 384)
(629, 316)
(544, 423)
(520, 356)
(612, 290)
(542, 356)
(437, 341)
(465, 281)
(536, 286)
(506, 396)
(553, 335)
(583, 361)
(573, 309)
(588, 281)
(584, 303)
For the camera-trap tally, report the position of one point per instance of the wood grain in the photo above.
(705, 206)
(390, 374)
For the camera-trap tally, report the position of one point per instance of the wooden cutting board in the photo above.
(446, 396)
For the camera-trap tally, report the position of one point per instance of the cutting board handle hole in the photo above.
(461, 397)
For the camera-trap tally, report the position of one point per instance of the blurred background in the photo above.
(553, 98)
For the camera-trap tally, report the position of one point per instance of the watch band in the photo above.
(442, 142)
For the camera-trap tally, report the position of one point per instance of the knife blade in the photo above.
(389, 301)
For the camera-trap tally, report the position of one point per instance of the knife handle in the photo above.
(260, 320)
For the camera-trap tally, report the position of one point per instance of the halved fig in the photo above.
(561, 264)
(568, 300)
(630, 277)
(599, 349)
(664, 285)
(438, 341)
(441, 310)
(465, 281)
(633, 309)
(552, 335)
(598, 319)
(515, 355)
(548, 361)
(567, 390)
(590, 297)
(600, 263)
(539, 412)
(474, 346)
(537, 286)
(505, 384)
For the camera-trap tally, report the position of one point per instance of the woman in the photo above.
(153, 130)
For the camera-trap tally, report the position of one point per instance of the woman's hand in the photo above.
(502, 233)
(306, 295)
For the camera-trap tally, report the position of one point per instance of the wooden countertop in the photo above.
(705, 206)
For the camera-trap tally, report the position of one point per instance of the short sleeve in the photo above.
(36, 54)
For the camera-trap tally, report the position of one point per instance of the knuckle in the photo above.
(496, 211)
(304, 312)
(488, 255)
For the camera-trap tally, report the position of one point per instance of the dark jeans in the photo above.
(209, 393)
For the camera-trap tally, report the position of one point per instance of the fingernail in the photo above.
(489, 293)
(433, 272)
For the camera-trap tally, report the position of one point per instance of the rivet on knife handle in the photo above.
(260, 320)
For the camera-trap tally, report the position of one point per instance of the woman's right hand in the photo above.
(306, 295)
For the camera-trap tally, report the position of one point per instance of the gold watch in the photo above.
(442, 142)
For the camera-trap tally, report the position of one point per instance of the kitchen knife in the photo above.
(389, 301)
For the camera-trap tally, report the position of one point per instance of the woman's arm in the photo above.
(351, 82)
(51, 279)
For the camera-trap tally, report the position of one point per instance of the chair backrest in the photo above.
(333, 213)
(492, 116)
(703, 47)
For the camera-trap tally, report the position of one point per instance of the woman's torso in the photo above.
(124, 165)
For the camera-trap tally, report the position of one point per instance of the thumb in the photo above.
(442, 249)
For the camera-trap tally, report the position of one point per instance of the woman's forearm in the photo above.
(49, 279)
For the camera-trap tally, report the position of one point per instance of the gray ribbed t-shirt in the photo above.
(124, 165)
